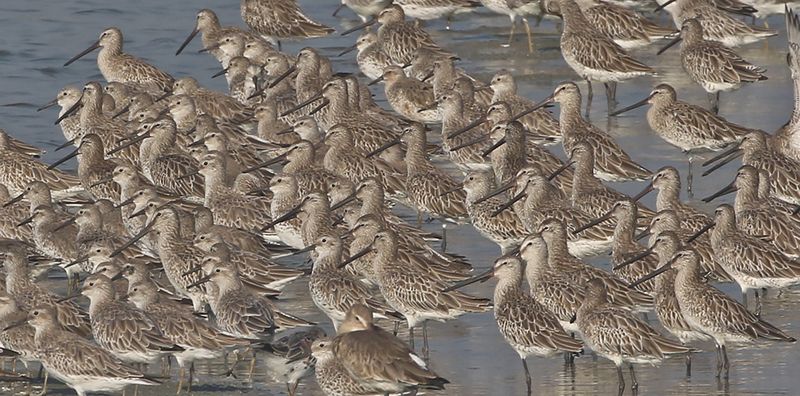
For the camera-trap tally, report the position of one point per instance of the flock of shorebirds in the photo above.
(184, 198)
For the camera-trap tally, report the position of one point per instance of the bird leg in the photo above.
(688, 365)
(527, 376)
(252, 365)
(589, 96)
(293, 388)
(635, 385)
(621, 380)
(511, 33)
(719, 360)
(191, 378)
(425, 350)
(530, 37)
(444, 237)
(726, 364)
(758, 303)
(611, 95)
(181, 373)
(689, 178)
(411, 337)
(714, 97)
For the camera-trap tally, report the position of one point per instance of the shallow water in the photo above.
(37, 36)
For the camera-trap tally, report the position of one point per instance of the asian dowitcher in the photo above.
(710, 311)
(616, 334)
(118, 66)
(527, 326)
(581, 46)
(712, 65)
(397, 368)
(276, 20)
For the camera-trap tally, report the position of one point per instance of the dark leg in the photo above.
(714, 102)
(726, 364)
(635, 385)
(688, 365)
(758, 303)
(396, 327)
(411, 337)
(719, 360)
(689, 178)
(191, 378)
(425, 350)
(511, 33)
(621, 380)
(527, 376)
(569, 357)
(589, 96)
(611, 94)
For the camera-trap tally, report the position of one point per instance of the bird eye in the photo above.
(217, 270)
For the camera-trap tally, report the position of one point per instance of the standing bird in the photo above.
(710, 311)
(117, 66)
(711, 64)
(280, 19)
(526, 325)
(514, 9)
(593, 55)
(618, 335)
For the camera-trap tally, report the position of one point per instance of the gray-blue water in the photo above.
(37, 36)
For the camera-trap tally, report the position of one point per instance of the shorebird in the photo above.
(522, 9)
(717, 24)
(276, 20)
(396, 368)
(667, 309)
(527, 326)
(588, 193)
(55, 242)
(751, 262)
(118, 66)
(555, 236)
(416, 293)
(711, 64)
(335, 290)
(617, 335)
(688, 127)
(371, 59)
(17, 169)
(593, 55)
(785, 138)
(539, 122)
(466, 151)
(410, 97)
(426, 10)
(19, 339)
(712, 312)
(208, 26)
(626, 27)
(543, 201)
(365, 9)
(331, 375)
(400, 38)
(94, 170)
(612, 163)
(66, 98)
(504, 229)
(755, 151)
(668, 183)
(238, 312)
(222, 108)
(624, 245)
(199, 340)
(550, 287)
(758, 218)
(11, 214)
(81, 364)
(29, 294)
(142, 340)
